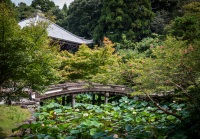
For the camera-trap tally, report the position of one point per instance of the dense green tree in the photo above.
(173, 7)
(59, 15)
(8, 2)
(170, 67)
(187, 27)
(83, 17)
(25, 11)
(10, 5)
(26, 60)
(97, 65)
(45, 5)
(140, 46)
(128, 17)
(161, 19)
(165, 11)
(65, 8)
(167, 5)
(174, 67)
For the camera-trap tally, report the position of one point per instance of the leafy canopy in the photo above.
(100, 64)
(83, 17)
(187, 27)
(118, 17)
(45, 5)
(173, 66)
(26, 60)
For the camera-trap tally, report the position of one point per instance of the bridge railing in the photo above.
(75, 88)
(71, 89)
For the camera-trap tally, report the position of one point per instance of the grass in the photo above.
(11, 117)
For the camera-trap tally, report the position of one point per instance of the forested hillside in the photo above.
(95, 19)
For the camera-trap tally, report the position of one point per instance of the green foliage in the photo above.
(175, 66)
(9, 3)
(128, 54)
(145, 45)
(167, 5)
(43, 61)
(83, 17)
(8, 32)
(65, 7)
(83, 98)
(25, 11)
(99, 64)
(131, 18)
(159, 22)
(125, 43)
(173, 8)
(172, 67)
(45, 5)
(194, 110)
(58, 15)
(128, 119)
(26, 60)
(129, 49)
(187, 27)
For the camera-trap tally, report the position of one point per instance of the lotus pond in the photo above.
(127, 119)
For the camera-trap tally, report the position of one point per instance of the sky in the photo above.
(60, 3)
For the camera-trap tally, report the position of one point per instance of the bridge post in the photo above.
(93, 99)
(106, 98)
(73, 100)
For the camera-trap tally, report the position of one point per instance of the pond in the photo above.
(127, 119)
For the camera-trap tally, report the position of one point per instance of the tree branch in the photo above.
(164, 110)
(184, 91)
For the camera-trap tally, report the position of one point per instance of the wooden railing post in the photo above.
(73, 100)
(106, 98)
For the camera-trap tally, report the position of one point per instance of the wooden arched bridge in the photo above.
(70, 90)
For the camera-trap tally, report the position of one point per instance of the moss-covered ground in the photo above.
(11, 117)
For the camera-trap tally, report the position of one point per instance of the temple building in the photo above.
(68, 40)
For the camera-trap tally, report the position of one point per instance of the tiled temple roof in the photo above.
(55, 31)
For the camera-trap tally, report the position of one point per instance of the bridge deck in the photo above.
(79, 88)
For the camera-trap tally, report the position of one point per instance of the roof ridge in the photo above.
(42, 18)
(69, 32)
(64, 29)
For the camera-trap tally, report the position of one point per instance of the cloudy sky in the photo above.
(60, 3)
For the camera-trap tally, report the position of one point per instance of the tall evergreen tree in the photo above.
(187, 27)
(83, 16)
(65, 7)
(128, 17)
